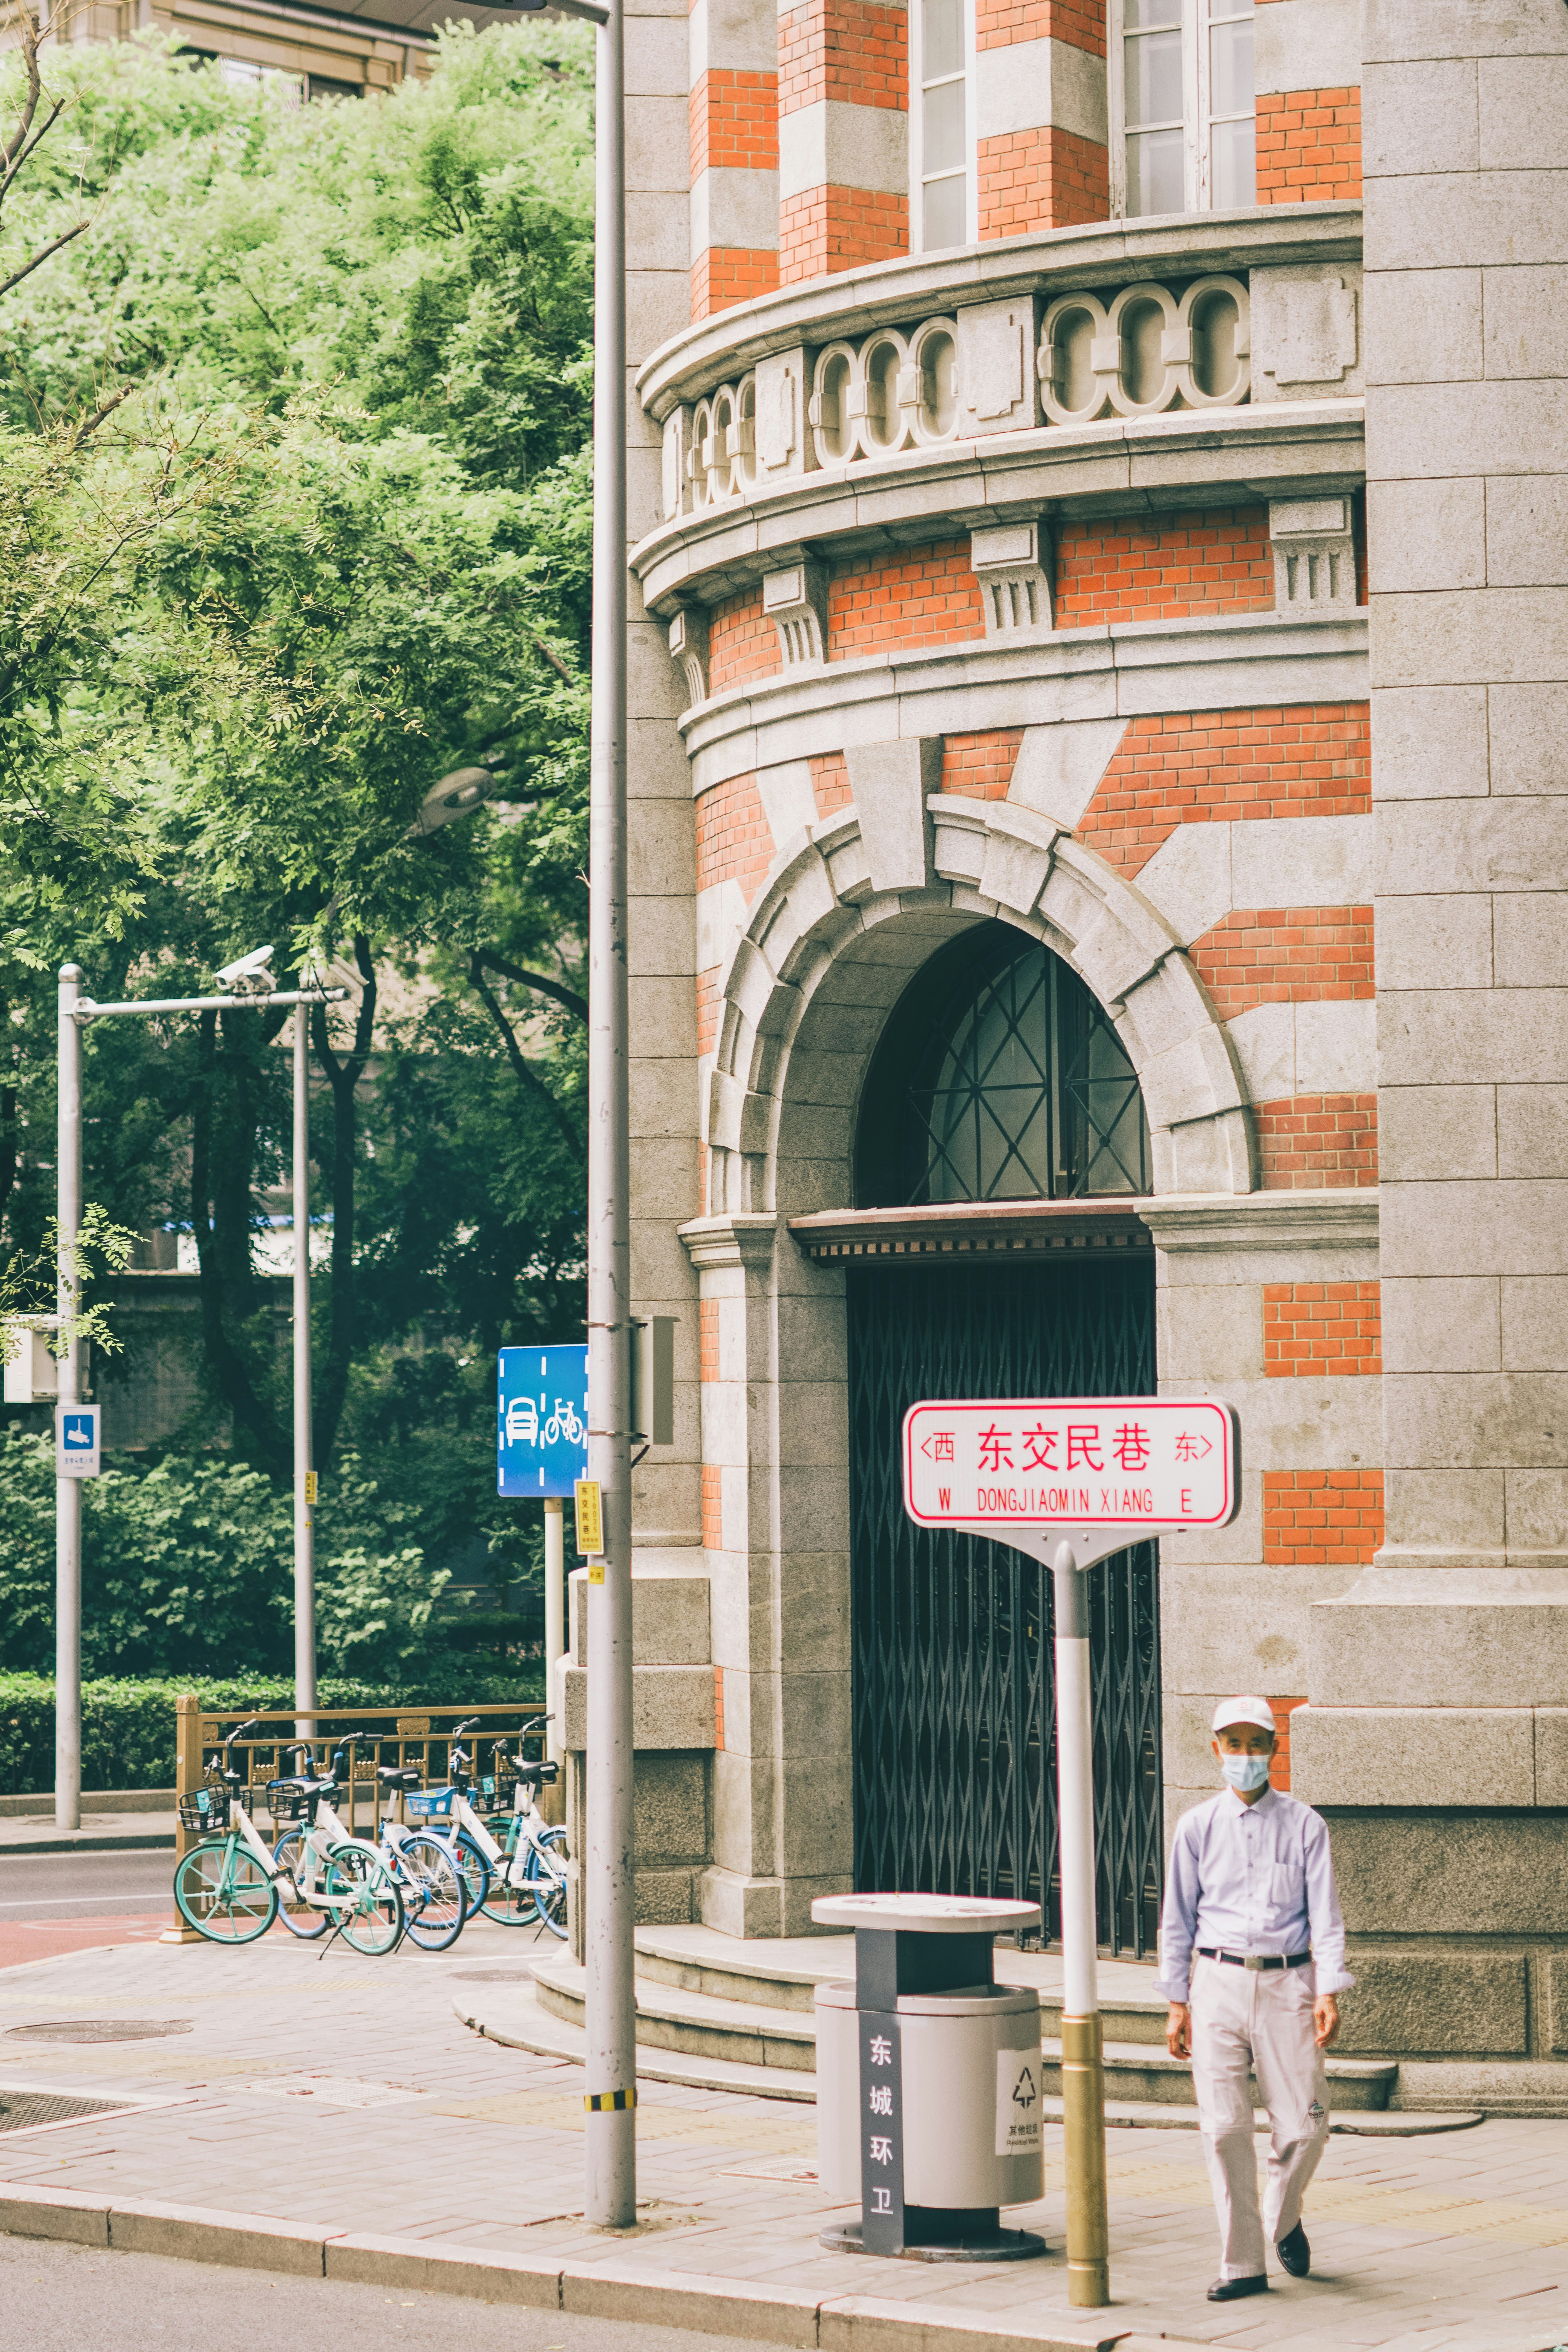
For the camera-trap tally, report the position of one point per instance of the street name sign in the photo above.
(541, 1420)
(1085, 1466)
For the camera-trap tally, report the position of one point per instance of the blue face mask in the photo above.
(1244, 1772)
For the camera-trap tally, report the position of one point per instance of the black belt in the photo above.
(1256, 1959)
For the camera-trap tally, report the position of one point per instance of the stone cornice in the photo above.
(1293, 1220)
(970, 1229)
(1132, 670)
(857, 300)
(1120, 465)
(730, 1240)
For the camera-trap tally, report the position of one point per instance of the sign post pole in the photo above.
(1069, 1481)
(68, 1490)
(1083, 2057)
(555, 1616)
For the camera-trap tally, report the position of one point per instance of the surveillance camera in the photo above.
(248, 975)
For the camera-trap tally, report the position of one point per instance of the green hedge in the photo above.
(128, 1728)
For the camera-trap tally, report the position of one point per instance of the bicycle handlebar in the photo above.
(241, 1730)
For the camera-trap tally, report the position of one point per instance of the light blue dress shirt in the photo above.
(1251, 1878)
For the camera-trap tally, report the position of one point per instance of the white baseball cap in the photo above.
(1231, 1711)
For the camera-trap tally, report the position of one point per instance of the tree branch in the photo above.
(40, 259)
(531, 1081)
(537, 980)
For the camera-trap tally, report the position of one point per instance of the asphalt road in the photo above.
(83, 1885)
(57, 2299)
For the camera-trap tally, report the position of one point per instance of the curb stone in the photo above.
(662, 2298)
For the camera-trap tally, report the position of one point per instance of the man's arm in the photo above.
(1323, 1915)
(1178, 1922)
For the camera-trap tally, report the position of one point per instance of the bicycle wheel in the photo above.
(223, 1892)
(364, 1899)
(549, 1891)
(474, 1863)
(435, 1897)
(295, 1913)
(508, 1906)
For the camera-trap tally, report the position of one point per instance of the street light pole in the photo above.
(304, 1474)
(67, 1491)
(610, 2124)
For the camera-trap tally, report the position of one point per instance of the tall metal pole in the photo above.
(304, 1474)
(610, 2124)
(1083, 2059)
(67, 1491)
(555, 1616)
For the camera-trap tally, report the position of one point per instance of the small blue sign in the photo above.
(541, 1420)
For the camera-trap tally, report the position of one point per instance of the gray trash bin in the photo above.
(928, 2080)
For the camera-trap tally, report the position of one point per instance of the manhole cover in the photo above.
(491, 1975)
(102, 2029)
(25, 2110)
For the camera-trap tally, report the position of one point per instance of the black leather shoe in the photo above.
(1295, 2252)
(1232, 2290)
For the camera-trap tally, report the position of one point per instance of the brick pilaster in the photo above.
(1041, 158)
(734, 158)
(843, 101)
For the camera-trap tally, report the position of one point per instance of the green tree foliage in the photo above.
(293, 521)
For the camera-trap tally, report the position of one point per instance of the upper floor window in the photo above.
(941, 130)
(1185, 140)
(999, 1077)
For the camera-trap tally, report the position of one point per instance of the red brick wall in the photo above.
(1079, 22)
(1209, 767)
(709, 1011)
(1279, 1762)
(1215, 559)
(1047, 178)
(853, 51)
(1322, 1517)
(712, 1510)
(1316, 1143)
(920, 596)
(726, 274)
(1286, 955)
(708, 1338)
(742, 644)
(830, 781)
(980, 767)
(733, 841)
(826, 230)
(1313, 1330)
(734, 120)
(1308, 146)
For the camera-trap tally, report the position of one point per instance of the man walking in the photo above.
(1252, 1953)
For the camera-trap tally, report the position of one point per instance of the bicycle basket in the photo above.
(431, 1804)
(497, 1796)
(286, 1801)
(205, 1809)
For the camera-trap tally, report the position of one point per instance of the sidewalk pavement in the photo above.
(319, 2112)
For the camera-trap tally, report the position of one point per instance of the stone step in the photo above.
(515, 2019)
(704, 2025)
(784, 1973)
(669, 2018)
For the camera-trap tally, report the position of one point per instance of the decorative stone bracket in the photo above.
(1012, 563)
(1314, 554)
(796, 601)
(688, 651)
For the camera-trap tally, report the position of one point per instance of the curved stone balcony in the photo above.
(1114, 369)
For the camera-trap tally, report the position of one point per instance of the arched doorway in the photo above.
(998, 1078)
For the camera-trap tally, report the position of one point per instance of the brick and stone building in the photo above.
(1101, 626)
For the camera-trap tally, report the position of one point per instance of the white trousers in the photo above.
(1262, 2018)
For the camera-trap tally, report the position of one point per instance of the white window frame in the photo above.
(1197, 175)
(916, 120)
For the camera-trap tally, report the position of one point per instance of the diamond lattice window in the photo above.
(1000, 1078)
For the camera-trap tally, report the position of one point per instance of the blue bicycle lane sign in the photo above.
(542, 1420)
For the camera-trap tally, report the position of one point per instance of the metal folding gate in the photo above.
(953, 1700)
